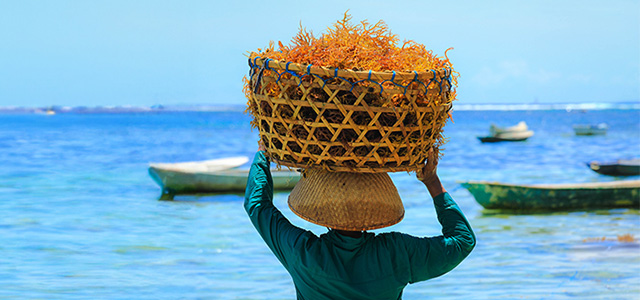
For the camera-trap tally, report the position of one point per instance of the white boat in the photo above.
(202, 165)
(520, 127)
(599, 129)
(212, 176)
(518, 132)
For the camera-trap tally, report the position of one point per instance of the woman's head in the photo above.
(347, 201)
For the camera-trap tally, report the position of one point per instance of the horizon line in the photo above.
(241, 107)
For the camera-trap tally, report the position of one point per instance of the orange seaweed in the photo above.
(358, 46)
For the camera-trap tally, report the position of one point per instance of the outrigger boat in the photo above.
(593, 195)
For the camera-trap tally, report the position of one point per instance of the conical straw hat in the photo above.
(347, 201)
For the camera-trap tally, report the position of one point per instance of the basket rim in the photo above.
(325, 105)
(256, 60)
(347, 169)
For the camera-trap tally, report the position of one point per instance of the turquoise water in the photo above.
(80, 217)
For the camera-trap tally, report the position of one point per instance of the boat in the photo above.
(200, 166)
(212, 176)
(621, 167)
(600, 129)
(516, 133)
(47, 111)
(553, 197)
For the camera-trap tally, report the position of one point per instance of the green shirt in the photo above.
(334, 266)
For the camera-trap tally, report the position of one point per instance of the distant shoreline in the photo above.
(241, 108)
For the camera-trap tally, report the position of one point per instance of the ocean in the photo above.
(80, 217)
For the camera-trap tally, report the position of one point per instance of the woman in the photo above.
(343, 264)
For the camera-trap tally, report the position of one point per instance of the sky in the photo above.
(150, 52)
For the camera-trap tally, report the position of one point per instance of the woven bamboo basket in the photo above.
(347, 120)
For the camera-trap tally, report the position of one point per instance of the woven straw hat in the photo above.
(347, 201)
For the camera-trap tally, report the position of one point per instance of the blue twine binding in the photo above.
(258, 71)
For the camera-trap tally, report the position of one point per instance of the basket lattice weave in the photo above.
(346, 120)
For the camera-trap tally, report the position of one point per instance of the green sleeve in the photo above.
(277, 232)
(434, 256)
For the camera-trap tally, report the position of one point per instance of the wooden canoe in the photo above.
(594, 195)
(622, 167)
(198, 179)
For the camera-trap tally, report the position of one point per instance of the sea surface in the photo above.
(80, 217)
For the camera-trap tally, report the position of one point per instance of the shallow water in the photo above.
(80, 217)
